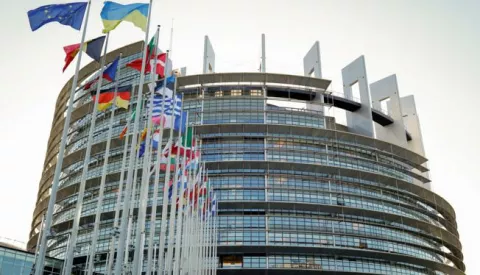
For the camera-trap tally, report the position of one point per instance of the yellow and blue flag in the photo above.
(70, 14)
(113, 14)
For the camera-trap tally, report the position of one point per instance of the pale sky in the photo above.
(432, 46)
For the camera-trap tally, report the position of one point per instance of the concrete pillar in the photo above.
(383, 89)
(412, 123)
(312, 65)
(360, 121)
(263, 66)
(312, 62)
(208, 57)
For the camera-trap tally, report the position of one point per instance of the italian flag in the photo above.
(151, 47)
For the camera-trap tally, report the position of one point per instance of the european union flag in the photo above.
(70, 14)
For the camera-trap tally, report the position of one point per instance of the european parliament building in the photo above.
(298, 192)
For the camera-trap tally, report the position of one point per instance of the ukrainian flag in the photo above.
(113, 14)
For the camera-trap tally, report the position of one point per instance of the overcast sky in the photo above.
(432, 46)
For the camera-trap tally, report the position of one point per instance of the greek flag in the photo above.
(170, 115)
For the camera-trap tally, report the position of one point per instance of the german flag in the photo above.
(107, 97)
(123, 97)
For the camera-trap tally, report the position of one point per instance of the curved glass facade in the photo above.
(295, 193)
(20, 262)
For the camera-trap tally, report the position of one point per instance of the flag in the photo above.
(151, 47)
(143, 134)
(214, 204)
(193, 194)
(106, 97)
(174, 117)
(150, 60)
(157, 87)
(192, 162)
(205, 187)
(123, 97)
(70, 14)
(180, 122)
(156, 139)
(124, 131)
(132, 118)
(141, 146)
(92, 47)
(159, 70)
(189, 152)
(164, 155)
(179, 186)
(157, 112)
(109, 74)
(165, 164)
(162, 111)
(170, 116)
(113, 14)
(187, 138)
(141, 150)
(159, 64)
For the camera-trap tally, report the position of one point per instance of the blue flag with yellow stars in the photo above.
(70, 14)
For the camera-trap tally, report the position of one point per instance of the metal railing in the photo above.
(356, 99)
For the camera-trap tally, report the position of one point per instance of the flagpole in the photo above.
(104, 172)
(153, 216)
(193, 232)
(121, 244)
(203, 233)
(201, 239)
(209, 237)
(215, 232)
(213, 243)
(136, 185)
(79, 205)
(207, 230)
(195, 249)
(212, 232)
(119, 200)
(142, 203)
(173, 205)
(61, 152)
(199, 233)
(174, 242)
(38, 242)
(192, 236)
(178, 238)
(142, 208)
(185, 236)
(193, 239)
(163, 225)
(154, 256)
(205, 236)
(186, 233)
